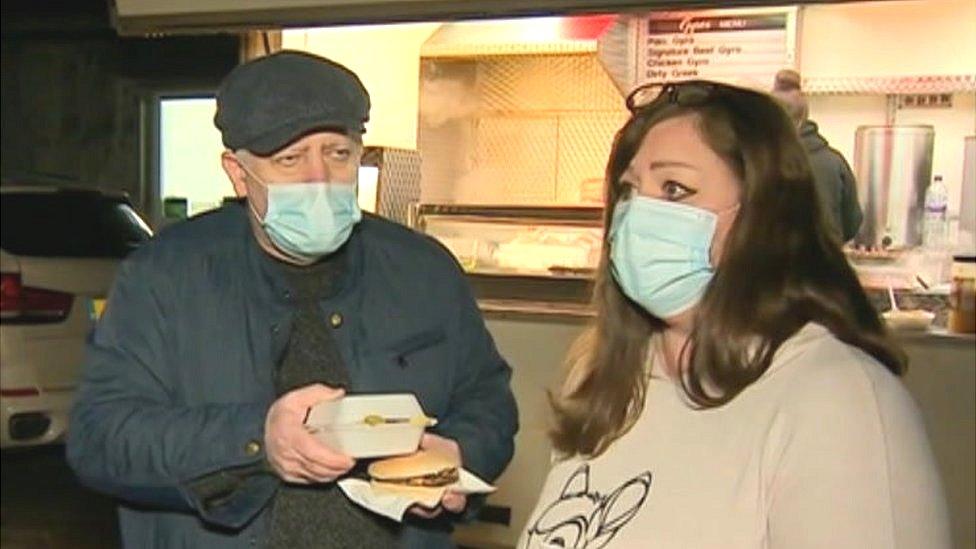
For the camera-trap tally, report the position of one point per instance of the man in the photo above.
(221, 333)
(835, 182)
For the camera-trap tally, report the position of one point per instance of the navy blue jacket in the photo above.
(178, 375)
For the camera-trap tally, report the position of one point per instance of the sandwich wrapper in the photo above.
(393, 506)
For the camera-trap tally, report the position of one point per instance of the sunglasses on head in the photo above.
(685, 93)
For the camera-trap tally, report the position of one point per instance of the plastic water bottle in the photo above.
(935, 219)
(935, 231)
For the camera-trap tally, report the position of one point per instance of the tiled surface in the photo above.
(525, 129)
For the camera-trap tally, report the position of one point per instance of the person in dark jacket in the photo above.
(221, 333)
(835, 181)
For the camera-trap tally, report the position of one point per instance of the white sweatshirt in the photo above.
(826, 450)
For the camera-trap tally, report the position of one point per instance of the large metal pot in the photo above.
(893, 166)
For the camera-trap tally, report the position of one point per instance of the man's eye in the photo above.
(287, 160)
(340, 155)
(675, 191)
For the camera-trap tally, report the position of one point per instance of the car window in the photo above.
(69, 224)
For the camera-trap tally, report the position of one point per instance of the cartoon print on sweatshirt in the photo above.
(581, 519)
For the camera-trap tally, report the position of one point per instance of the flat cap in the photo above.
(265, 104)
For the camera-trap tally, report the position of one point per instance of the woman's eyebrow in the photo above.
(660, 164)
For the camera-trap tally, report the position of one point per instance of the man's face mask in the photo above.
(308, 220)
(659, 253)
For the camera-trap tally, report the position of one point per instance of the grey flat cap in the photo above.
(265, 104)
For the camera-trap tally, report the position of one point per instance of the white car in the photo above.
(59, 249)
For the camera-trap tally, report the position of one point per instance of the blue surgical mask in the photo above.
(309, 220)
(659, 253)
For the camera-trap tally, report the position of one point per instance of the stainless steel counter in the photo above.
(940, 334)
(502, 308)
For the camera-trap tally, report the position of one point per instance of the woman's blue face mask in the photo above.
(660, 253)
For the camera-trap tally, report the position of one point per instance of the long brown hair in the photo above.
(781, 268)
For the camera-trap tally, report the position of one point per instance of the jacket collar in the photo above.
(268, 269)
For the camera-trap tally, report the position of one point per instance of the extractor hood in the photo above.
(607, 37)
(523, 36)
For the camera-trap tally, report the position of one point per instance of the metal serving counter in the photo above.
(521, 260)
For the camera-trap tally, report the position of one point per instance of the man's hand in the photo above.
(294, 454)
(452, 501)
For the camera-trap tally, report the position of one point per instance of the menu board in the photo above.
(735, 46)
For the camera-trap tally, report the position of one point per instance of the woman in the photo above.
(737, 388)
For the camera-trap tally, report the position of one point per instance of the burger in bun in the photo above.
(421, 476)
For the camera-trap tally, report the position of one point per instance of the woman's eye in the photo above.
(675, 191)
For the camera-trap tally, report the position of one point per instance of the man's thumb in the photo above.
(313, 394)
